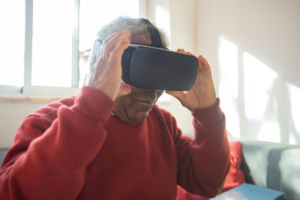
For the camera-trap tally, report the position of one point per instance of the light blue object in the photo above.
(250, 192)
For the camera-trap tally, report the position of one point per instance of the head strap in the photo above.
(97, 45)
(155, 37)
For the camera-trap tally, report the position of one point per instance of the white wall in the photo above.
(254, 50)
(11, 117)
(177, 18)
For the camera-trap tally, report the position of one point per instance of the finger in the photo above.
(114, 41)
(110, 37)
(189, 53)
(180, 95)
(119, 36)
(203, 63)
(104, 42)
(102, 45)
(200, 69)
(115, 56)
(181, 50)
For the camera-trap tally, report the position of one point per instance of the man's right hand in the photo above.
(106, 71)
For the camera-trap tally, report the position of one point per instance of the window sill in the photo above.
(23, 98)
(4, 99)
(46, 100)
(37, 94)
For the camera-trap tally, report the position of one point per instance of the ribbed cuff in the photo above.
(208, 117)
(94, 105)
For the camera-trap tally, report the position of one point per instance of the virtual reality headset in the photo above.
(155, 67)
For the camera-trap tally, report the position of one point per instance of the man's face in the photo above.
(135, 106)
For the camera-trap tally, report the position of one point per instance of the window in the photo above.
(99, 10)
(46, 53)
(12, 41)
(52, 43)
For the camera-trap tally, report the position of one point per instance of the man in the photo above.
(112, 142)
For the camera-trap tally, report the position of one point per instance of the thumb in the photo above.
(180, 95)
(124, 89)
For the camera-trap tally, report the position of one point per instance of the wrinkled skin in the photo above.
(135, 106)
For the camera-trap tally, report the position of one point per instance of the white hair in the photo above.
(136, 27)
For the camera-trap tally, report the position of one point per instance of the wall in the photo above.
(254, 50)
(177, 18)
(11, 117)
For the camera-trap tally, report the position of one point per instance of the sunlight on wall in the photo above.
(259, 80)
(228, 85)
(259, 106)
(269, 130)
(294, 93)
(162, 19)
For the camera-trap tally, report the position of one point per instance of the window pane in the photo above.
(52, 42)
(12, 40)
(93, 15)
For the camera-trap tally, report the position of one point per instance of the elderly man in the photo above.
(112, 142)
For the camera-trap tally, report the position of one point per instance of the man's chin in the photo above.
(138, 118)
(133, 113)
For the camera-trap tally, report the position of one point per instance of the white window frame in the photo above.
(28, 89)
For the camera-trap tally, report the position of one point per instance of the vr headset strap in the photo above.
(97, 45)
(155, 37)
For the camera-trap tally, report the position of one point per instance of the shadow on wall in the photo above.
(258, 102)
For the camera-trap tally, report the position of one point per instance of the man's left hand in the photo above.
(202, 94)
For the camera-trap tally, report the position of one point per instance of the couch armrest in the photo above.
(272, 165)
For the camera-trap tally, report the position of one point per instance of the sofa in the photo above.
(2, 154)
(271, 165)
(265, 164)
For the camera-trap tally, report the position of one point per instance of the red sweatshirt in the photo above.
(75, 149)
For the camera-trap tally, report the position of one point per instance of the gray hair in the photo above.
(136, 27)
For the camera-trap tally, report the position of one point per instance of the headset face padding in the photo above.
(157, 68)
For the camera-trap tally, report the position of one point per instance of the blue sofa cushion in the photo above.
(2, 154)
(272, 165)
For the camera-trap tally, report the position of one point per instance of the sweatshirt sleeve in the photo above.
(52, 166)
(203, 163)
